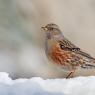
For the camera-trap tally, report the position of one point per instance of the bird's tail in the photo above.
(89, 65)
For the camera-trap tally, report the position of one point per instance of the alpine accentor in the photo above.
(63, 53)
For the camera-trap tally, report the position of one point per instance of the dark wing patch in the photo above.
(67, 45)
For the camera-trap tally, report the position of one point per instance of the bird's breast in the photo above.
(59, 56)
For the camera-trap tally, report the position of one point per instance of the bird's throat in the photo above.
(48, 36)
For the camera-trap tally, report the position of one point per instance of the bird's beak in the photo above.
(44, 28)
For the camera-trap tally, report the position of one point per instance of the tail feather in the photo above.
(88, 66)
(86, 55)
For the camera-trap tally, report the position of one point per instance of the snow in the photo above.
(39, 86)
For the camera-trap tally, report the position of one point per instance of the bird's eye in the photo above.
(61, 46)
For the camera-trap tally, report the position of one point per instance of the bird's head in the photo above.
(52, 30)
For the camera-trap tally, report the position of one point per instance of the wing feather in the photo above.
(67, 45)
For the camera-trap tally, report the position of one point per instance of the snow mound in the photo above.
(39, 86)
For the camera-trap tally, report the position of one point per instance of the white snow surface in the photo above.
(39, 86)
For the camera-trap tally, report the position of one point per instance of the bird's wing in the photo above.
(67, 45)
(85, 54)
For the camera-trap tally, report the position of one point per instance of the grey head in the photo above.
(52, 31)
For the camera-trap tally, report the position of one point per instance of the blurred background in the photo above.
(22, 41)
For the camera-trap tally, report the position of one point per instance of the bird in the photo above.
(63, 53)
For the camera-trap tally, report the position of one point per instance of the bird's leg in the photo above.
(71, 74)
